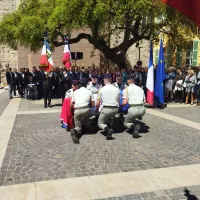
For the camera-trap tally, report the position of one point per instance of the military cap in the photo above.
(118, 75)
(131, 76)
(94, 75)
(75, 82)
(84, 81)
(107, 76)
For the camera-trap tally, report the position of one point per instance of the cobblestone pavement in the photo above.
(39, 149)
(190, 113)
(173, 194)
(4, 101)
(33, 105)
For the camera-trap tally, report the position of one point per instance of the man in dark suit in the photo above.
(48, 86)
(16, 82)
(23, 79)
(10, 78)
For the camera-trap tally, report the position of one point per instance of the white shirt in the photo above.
(82, 97)
(134, 94)
(92, 88)
(109, 95)
(69, 93)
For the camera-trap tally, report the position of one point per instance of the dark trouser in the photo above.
(40, 91)
(179, 96)
(22, 90)
(16, 86)
(198, 93)
(47, 96)
(10, 90)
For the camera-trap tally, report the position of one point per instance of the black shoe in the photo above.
(49, 105)
(45, 106)
(74, 135)
(11, 98)
(109, 133)
(135, 132)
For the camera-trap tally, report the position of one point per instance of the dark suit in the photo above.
(10, 78)
(17, 83)
(48, 84)
(23, 80)
(65, 84)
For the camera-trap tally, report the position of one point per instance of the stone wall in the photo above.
(90, 56)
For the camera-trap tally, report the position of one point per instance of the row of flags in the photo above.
(155, 89)
(46, 59)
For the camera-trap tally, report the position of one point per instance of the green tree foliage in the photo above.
(133, 20)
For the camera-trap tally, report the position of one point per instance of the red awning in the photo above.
(190, 8)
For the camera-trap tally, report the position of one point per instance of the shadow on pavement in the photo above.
(189, 196)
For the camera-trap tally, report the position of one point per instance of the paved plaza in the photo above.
(40, 162)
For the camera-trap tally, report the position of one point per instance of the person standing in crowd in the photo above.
(190, 81)
(144, 80)
(198, 87)
(178, 90)
(48, 85)
(65, 84)
(124, 76)
(109, 97)
(10, 78)
(81, 99)
(75, 73)
(137, 76)
(16, 83)
(134, 96)
(114, 76)
(169, 83)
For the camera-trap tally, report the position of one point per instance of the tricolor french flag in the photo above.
(46, 60)
(150, 79)
(66, 59)
(50, 58)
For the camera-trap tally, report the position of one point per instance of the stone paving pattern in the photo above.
(35, 105)
(173, 194)
(190, 113)
(39, 149)
(4, 101)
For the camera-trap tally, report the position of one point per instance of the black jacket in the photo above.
(23, 79)
(64, 85)
(48, 83)
(10, 77)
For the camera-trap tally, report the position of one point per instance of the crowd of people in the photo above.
(181, 84)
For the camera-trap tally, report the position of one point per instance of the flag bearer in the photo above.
(82, 99)
(134, 96)
(109, 97)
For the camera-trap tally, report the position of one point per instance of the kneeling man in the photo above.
(134, 96)
(82, 100)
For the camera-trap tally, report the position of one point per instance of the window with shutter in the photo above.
(195, 53)
(156, 52)
(169, 56)
(178, 57)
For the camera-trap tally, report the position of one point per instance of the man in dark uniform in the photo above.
(23, 82)
(48, 85)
